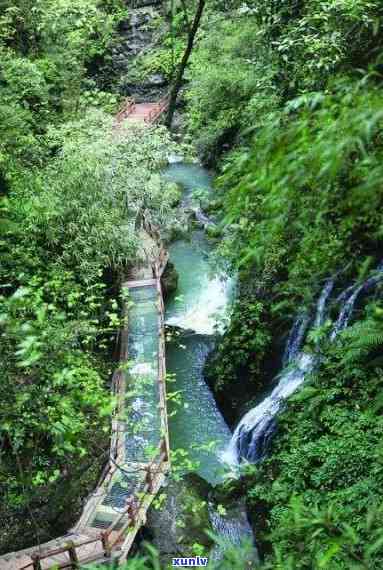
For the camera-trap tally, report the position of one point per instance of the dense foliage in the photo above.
(322, 482)
(266, 53)
(73, 193)
(294, 90)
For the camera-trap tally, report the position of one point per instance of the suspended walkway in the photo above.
(139, 452)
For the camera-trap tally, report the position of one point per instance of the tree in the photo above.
(185, 58)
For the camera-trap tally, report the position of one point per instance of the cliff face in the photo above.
(141, 33)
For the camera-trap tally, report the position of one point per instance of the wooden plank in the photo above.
(139, 283)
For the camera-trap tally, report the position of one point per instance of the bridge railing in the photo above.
(155, 470)
(157, 111)
(111, 537)
(125, 109)
(71, 549)
(132, 512)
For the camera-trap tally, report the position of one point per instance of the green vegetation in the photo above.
(233, 559)
(293, 91)
(285, 99)
(73, 192)
(255, 56)
(321, 485)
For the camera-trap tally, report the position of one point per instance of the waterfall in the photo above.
(350, 298)
(202, 314)
(252, 435)
(295, 338)
(134, 21)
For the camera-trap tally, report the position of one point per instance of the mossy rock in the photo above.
(169, 279)
(174, 192)
(179, 518)
(213, 231)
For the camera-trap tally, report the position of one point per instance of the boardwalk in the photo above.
(139, 454)
(149, 113)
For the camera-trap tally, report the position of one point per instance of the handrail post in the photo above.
(105, 544)
(131, 510)
(149, 479)
(165, 449)
(36, 561)
(72, 554)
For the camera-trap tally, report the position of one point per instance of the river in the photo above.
(195, 309)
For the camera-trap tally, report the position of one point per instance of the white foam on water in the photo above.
(206, 313)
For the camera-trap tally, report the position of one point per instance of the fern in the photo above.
(362, 339)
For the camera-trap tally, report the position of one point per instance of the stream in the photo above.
(195, 313)
(195, 309)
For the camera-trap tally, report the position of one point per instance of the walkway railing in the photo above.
(150, 113)
(157, 111)
(125, 109)
(115, 533)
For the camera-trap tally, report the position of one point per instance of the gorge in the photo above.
(274, 336)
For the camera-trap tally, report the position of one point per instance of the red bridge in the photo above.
(150, 113)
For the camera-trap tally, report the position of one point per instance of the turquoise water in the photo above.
(192, 177)
(196, 309)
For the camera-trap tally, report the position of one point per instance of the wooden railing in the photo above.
(126, 108)
(133, 514)
(160, 265)
(157, 111)
(107, 540)
(70, 549)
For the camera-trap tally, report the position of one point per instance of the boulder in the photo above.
(169, 280)
(180, 517)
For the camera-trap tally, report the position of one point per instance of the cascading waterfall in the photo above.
(252, 435)
(295, 339)
(134, 46)
(350, 298)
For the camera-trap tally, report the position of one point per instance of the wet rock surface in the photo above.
(182, 519)
(140, 33)
(169, 280)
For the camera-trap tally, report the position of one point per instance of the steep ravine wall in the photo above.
(140, 33)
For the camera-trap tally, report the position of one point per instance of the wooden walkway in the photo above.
(150, 113)
(139, 452)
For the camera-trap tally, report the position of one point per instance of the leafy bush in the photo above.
(72, 221)
(46, 49)
(266, 53)
(301, 198)
(227, 70)
(235, 366)
(302, 201)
